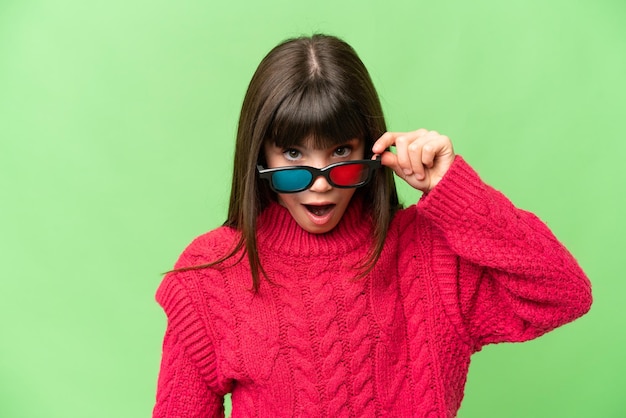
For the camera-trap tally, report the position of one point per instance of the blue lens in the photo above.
(291, 180)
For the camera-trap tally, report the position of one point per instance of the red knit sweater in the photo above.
(461, 269)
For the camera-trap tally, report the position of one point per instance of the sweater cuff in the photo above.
(460, 188)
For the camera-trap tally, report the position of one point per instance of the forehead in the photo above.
(314, 142)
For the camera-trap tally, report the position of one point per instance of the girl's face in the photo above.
(320, 208)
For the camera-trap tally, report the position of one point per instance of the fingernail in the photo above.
(407, 171)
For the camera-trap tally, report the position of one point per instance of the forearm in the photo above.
(515, 277)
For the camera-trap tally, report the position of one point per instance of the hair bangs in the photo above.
(317, 113)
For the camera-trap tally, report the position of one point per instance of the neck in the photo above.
(279, 233)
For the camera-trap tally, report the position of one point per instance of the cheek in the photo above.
(346, 195)
(280, 200)
(285, 200)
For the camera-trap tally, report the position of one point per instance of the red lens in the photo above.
(349, 174)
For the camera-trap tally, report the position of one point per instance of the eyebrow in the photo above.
(304, 144)
(351, 142)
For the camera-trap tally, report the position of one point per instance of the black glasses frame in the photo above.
(267, 173)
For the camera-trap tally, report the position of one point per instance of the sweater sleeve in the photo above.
(181, 390)
(513, 280)
(187, 384)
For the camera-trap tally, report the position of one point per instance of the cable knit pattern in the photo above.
(461, 269)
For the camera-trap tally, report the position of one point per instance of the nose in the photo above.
(320, 185)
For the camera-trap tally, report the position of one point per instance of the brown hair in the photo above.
(309, 87)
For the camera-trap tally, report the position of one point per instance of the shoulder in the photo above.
(183, 284)
(190, 277)
(410, 220)
(209, 247)
(405, 216)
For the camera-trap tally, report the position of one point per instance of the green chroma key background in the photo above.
(117, 124)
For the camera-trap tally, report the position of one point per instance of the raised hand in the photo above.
(421, 159)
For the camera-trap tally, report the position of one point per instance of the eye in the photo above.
(343, 151)
(292, 154)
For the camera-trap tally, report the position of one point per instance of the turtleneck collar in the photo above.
(279, 233)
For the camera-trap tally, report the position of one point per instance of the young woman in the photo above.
(320, 296)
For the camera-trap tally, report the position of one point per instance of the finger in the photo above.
(408, 146)
(388, 139)
(433, 144)
(415, 151)
(384, 142)
(440, 149)
(402, 152)
(421, 132)
(389, 159)
(428, 155)
(408, 150)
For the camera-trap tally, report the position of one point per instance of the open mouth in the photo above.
(319, 210)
